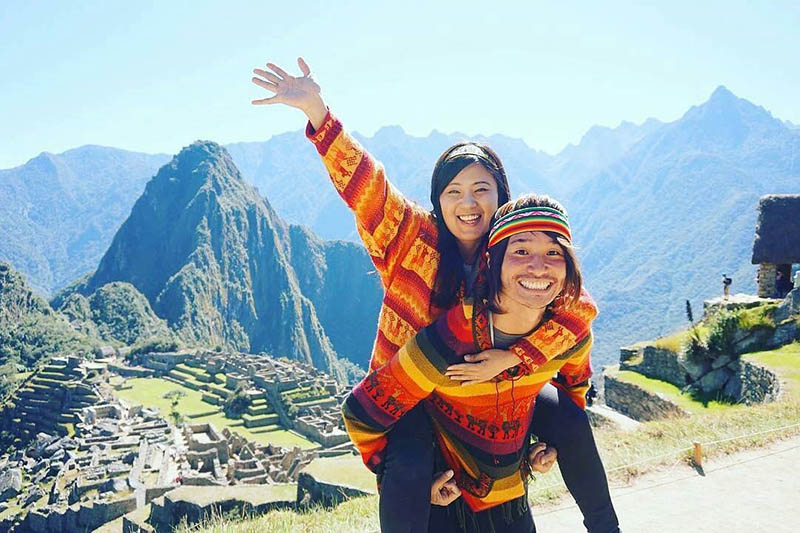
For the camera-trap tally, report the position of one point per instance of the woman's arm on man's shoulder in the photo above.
(563, 331)
(386, 220)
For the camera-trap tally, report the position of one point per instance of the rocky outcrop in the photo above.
(195, 504)
(312, 491)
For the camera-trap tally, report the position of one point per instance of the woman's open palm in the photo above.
(301, 92)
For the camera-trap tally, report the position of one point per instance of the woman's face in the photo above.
(468, 203)
(533, 272)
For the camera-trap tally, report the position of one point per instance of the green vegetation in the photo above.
(344, 469)
(716, 330)
(174, 396)
(359, 514)
(684, 400)
(150, 392)
(755, 317)
(785, 361)
(304, 394)
(116, 312)
(236, 405)
(676, 341)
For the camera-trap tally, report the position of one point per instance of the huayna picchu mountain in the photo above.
(215, 260)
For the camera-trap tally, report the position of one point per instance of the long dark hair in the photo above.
(450, 275)
(574, 279)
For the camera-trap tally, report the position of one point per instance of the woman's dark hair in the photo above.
(450, 275)
(574, 279)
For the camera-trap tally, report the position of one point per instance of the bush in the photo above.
(154, 345)
(722, 335)
(236, 404)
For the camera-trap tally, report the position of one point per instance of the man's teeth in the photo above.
(469, 218)
(535, 285)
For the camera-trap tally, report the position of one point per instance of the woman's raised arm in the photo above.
(386, 220)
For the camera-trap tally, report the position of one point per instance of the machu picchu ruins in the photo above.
(82, 454)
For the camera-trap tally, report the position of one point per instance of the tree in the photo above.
(236, 404)
(175, 397)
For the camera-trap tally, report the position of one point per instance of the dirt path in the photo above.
(753, 491)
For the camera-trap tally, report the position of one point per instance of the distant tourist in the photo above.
(783, 285)
(726, 286)
(428, 262)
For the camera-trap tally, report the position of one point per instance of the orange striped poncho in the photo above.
(481, 429)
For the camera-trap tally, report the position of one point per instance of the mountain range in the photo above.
(660, 211)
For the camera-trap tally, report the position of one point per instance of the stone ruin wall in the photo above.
(637, 403)
(746, 383)
(653, 362)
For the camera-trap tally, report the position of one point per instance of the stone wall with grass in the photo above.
(637, 403)
(653, 362)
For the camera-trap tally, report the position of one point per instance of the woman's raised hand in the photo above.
(300, 92)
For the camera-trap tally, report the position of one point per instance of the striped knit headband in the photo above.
(530, 219)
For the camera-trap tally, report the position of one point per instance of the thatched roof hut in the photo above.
(778, 230)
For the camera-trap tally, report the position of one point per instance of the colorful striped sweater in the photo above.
(400, 237)
(481, 429)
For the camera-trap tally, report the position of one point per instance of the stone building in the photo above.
(777, 240)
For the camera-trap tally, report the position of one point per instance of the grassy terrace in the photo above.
(671, 392)
(150, 393)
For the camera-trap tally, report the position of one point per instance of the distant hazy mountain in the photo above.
(665, 221)
(599, 148)
(213, 258)
(59, 212)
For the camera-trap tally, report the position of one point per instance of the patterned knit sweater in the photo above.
(400, 237)
(481, 429)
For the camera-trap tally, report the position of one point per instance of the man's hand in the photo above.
(482, 366)
(541, 457)
(300, 92)
(444, 490)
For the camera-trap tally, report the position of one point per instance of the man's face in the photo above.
(534, 271)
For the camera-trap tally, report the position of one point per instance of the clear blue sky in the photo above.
(154, 76)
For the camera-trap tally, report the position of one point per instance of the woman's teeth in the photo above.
(536, 285)
(468, 218)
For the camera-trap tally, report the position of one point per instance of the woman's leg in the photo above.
(407, 474)
(561, 423)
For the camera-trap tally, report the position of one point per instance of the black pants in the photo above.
(409, 458)
(442, 520)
